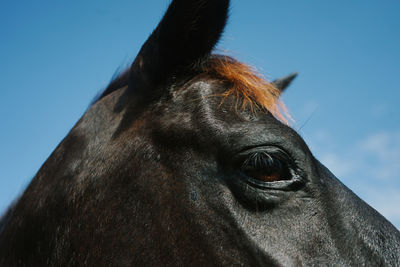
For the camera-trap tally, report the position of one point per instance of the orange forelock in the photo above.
(248, 85)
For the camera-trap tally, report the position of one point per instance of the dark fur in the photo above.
(151, 176)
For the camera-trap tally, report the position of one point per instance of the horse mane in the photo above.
(246, 84)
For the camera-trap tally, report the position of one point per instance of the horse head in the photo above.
(187, 159)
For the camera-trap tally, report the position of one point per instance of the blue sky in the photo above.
(56, 56)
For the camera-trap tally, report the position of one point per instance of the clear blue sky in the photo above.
(56, 55)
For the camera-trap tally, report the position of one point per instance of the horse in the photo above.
(187, 159)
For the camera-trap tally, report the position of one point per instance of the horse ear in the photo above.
(188, 31)
(284, 82)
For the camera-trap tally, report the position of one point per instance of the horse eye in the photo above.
(266, 168)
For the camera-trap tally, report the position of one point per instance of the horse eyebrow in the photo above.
(247, 85)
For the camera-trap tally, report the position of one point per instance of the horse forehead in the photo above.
(199, 110)
(198, 90)
(206, 98)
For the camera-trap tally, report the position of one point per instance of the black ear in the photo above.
(188, 31)
(284, 82)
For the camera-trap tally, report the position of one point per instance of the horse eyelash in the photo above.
(262, 160)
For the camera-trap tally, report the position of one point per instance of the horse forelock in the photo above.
(247, 85)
